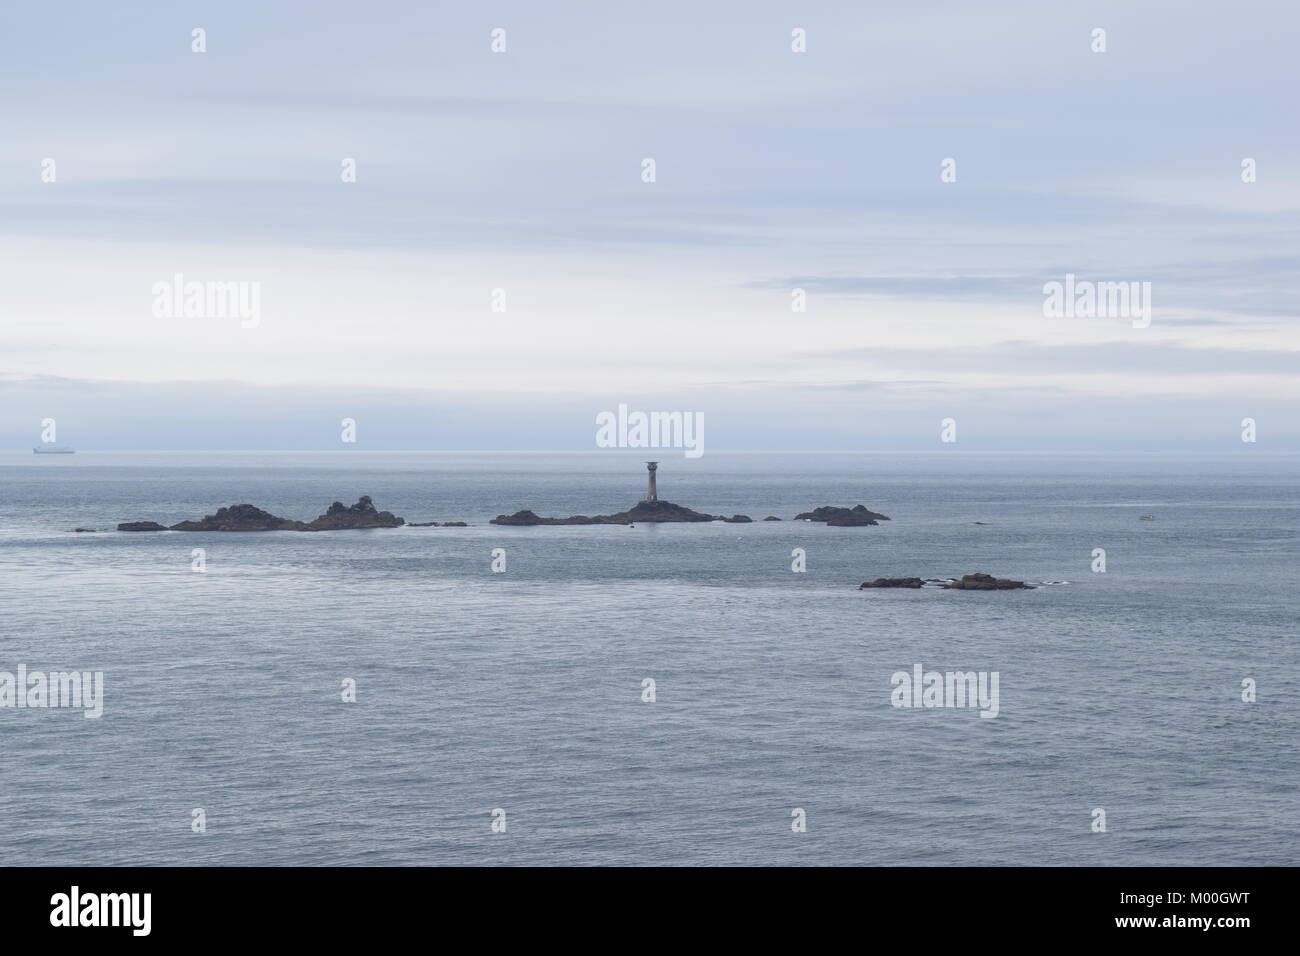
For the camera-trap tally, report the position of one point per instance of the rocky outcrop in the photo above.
(852, 521)
(339, 517)
(363, 514)
(857, 516)
(437, 524)
(970, 582)
(528, 518)
(665, 511)
(985, 582)
(239, 518)
(523, 518)
(647, 511)
(661, 511)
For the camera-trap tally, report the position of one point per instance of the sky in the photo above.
(775, 170)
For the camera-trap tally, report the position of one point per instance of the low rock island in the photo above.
(653, 510)
(985, 582)
(235, 518)
(650, 509)
(363, 514)
(647, 511)
(978, 581)
(245, 517)
(855, 517)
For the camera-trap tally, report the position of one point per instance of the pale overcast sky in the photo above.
(774, 170)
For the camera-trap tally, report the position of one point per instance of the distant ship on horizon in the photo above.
(53, 450)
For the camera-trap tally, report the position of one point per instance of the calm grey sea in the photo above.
(522, 690)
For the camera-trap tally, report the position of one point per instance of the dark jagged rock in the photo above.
(985, 582)
(771, 518)
(857, 516)
(240, 518)
(970, 582)
(528, 518)
(647, 511)
(738, 519)
(522, 518)
(661, 511)
(85, 530)
(363, 514)
(437, 524)
(851, 521)
(246, 517)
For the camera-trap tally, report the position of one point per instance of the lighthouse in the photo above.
(651, 494)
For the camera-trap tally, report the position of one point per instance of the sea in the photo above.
(657, 694)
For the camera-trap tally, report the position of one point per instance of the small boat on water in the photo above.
(53, 450)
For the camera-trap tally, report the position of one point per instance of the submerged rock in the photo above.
(437, 524)
(771, 518)
(892, 583)
(857, 516)
(141, 526)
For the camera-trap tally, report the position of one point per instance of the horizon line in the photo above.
(631, 452)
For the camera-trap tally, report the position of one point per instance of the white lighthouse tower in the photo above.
(651, 494)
